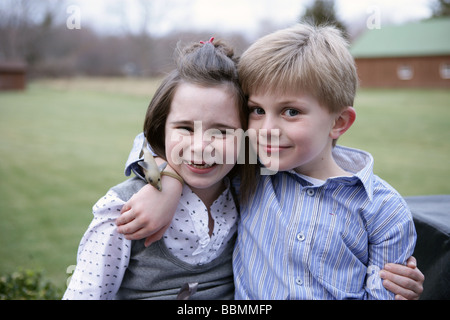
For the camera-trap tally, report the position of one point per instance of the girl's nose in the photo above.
(198, 146)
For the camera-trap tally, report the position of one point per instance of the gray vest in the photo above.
(155, 273)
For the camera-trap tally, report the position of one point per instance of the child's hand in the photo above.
(149, 212)
(405, 281)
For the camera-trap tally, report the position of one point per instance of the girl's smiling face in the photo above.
(200, 139)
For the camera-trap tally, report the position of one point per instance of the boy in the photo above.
(324, 225)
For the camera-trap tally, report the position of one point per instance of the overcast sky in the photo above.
(235, 15)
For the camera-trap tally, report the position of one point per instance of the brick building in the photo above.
(12, 76)
(414, 55)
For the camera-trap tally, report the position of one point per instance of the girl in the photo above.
(405, 281)
(184, 129)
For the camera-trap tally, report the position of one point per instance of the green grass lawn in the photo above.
(64, 143)
(61, 148)
(408, 134)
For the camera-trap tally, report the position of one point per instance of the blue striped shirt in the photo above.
(297, 240)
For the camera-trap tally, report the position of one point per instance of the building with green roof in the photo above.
(414, 54)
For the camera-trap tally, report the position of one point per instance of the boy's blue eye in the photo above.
(257, 110)
(291, 112)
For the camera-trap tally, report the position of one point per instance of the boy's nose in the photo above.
(270, 123)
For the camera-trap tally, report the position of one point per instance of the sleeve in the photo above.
(103, 255)
(392, 238)
(134, 157)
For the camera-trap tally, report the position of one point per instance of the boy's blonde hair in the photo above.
(310, 58)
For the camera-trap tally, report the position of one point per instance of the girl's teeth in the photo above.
(199, 166)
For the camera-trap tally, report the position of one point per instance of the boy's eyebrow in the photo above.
(213, 125)
(249, 100)
(281, 101)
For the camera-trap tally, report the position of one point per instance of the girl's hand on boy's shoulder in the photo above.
(405, 281)
(149, 212)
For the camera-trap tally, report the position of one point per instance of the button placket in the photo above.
(301, 237)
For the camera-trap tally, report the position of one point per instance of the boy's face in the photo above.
(301, 126)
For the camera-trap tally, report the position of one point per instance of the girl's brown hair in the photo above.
(207, 64)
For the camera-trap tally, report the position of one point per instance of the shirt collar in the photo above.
(223, 211)
(357, 162)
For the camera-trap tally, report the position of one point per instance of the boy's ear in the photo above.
(343, 122)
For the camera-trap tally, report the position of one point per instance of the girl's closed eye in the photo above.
(219, 134)
(185, 129)
(227, 132)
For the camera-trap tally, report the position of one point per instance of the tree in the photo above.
(323, 12)
(441, 8)
(25, 27)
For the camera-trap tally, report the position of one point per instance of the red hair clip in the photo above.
(210, 41)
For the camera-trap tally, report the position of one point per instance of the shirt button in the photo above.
(310, 192)
(299, 281)
(300, 236)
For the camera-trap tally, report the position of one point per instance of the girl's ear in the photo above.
(343, 122)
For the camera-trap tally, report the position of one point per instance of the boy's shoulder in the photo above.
(384, 192)
(386, 212)
(382, 196)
